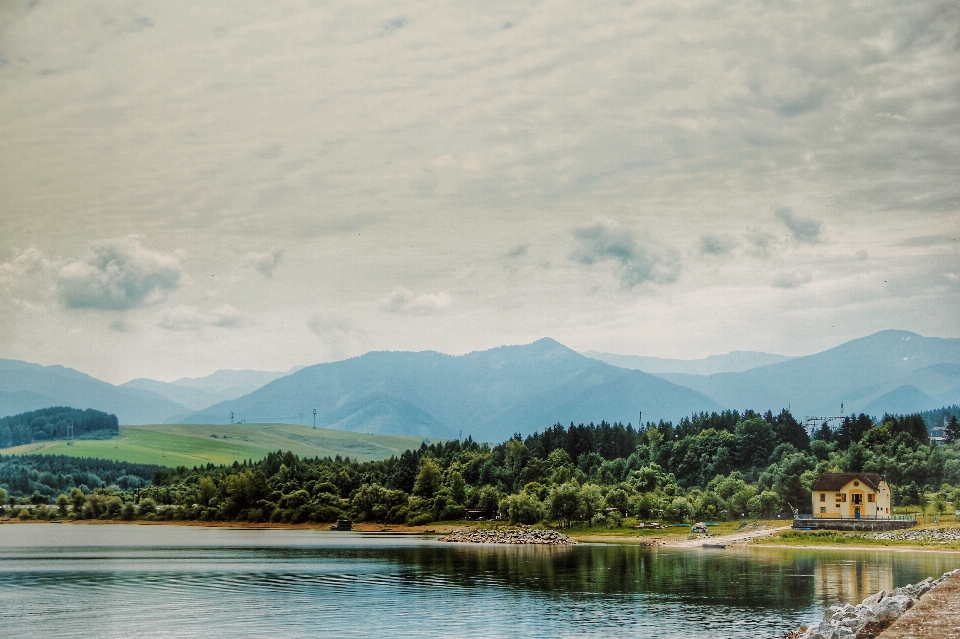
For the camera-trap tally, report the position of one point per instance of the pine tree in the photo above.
(952, 431)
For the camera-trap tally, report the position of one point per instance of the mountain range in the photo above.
(495, 393)
(196, 393)
(889, 371)
(487, 394)
(733, 362)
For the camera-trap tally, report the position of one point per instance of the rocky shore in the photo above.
(871, 617)
(941, 534)
(512, 536)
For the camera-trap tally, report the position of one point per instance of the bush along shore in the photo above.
(872, 616)
(509, 536)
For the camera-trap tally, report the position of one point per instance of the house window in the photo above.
(823, 496)
(842, 497)
(823, 509)
(871, 498)
(856, 498)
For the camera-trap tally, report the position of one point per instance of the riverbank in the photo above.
(767, 535)
(926, 539)
(925, 610)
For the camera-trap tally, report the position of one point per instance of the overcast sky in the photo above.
(188, 186)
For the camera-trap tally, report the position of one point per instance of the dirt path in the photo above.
(736, 538)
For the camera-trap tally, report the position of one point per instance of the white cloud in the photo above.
(118, 274)
(638, 261)
(791, 279)
(717, 243)
(265, 262)
(518, 251)
(804, 229)
(226, 316)
(181, 318)
(189, 318)
(405, 302)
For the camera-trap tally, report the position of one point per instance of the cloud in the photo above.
(790, 279)
(928, 240)
(181, 318)
(763, 242)
(339, 336)
(405, 302)
(265, 262)
(27, 264)
(226, 316)
(118, 274)
(717, 244)
(638, 261)
(121, 326)
(189, 318)
(804, 229)
(517, 251)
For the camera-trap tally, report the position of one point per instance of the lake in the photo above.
(64, 580)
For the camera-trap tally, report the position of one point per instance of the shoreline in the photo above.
(731, 541)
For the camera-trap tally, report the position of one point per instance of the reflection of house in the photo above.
(850, 496)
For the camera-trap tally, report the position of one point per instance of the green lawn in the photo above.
(193, 445)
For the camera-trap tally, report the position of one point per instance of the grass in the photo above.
(194, 445)
(831, 538)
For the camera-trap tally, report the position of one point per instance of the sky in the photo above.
(191, 186)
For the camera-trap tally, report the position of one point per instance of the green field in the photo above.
(194, 445)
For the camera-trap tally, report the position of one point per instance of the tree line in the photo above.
(712, 466)
(54, 423)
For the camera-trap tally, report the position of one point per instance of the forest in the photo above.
(709, 466)
(54, 423)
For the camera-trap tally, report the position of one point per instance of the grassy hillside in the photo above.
(194, 445)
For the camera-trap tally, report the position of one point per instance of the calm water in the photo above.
(166, 581)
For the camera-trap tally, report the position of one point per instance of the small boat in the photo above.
(714, 545)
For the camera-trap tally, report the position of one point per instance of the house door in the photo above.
(856, 513)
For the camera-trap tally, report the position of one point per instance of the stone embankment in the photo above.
(874, 615)
(940, 534)
(475, 536)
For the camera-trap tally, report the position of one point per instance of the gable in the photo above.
(839, 481)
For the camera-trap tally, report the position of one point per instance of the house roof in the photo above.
(836, 481)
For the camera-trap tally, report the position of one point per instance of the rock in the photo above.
(510, 536)
(700, 528)
(874, 615)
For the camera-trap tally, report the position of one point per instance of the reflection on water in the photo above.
(117, 581)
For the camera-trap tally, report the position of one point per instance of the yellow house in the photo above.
(850, 496)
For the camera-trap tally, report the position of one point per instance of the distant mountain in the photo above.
(901, 401)
(487, 394)
(197, 393)
(732, 362)
(31, 386)
(865, 373)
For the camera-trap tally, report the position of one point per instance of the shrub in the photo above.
(419, 519)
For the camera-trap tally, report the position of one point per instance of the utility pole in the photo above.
(314, 417)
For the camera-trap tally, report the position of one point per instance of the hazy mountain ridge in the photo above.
(488, 394)
(197, 393)
(29, 386)
(858, 373)
(732, 362)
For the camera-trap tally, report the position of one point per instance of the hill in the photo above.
(864, 374)
(487, 394)
(197, 393)
(29, 387)
(193, 445)
(732, 362)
